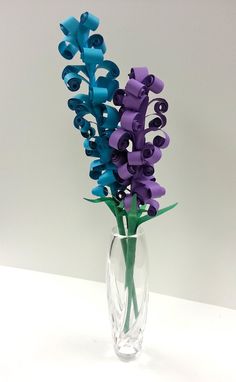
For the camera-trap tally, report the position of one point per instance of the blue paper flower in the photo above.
(92, 105)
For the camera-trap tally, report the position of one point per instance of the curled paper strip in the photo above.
(135, 166)
(101, 88)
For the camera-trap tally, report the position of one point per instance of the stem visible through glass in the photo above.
(128, 248)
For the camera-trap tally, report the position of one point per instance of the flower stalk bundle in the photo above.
(116, 135)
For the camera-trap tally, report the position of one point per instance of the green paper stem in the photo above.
(129, 283)
(130, 260)
(132, 219)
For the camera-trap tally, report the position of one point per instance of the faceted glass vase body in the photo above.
(127, 292)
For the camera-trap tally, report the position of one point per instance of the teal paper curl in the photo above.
(97, 41)
(101, 89)
(89, 21)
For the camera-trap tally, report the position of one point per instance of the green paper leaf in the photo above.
(165, 209)
(109, 202)
(160, 212)
(98, 200)
(132, 216)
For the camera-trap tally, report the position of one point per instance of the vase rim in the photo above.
(139, 232)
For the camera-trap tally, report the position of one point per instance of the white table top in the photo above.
(56, 328)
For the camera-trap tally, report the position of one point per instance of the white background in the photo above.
(44, 222)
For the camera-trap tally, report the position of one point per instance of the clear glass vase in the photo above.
(127, 292)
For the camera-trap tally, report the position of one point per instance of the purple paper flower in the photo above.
(135, 167)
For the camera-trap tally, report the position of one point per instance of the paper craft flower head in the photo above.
(135, 167)
(124, 163)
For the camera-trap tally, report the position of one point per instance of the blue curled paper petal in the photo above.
(97, 165)
(67, 50)
(92, 153)
(110, 84)
(112, 118)
(80, 122)
(105, 155)
(94, 175)
(107, 178)
(111, 166)
(72, 81)
(87, 144)
(82, 109)
(100, 191)
(69, 25)
(89, 133)
(75, 69)
(88, 20)
(85, 127)
(98, 95)
(91, 55)
(78, 100)
(97, 41)
(111, 67)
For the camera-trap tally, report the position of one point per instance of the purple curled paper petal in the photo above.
(153, 207)
(142, 193)
(139, 73)
(162, 142)
(161, 105)
(155, 190)
(135, 158)
(125, 171)
(135, 88)
(157, 123)
(148, 150)
(151, 153)
(134, 103)
(155, 157)
(129, 121)
(119, 139)
(119, 157)
(155, 84)
(148, 170)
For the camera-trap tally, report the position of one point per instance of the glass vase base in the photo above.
(125, 351)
